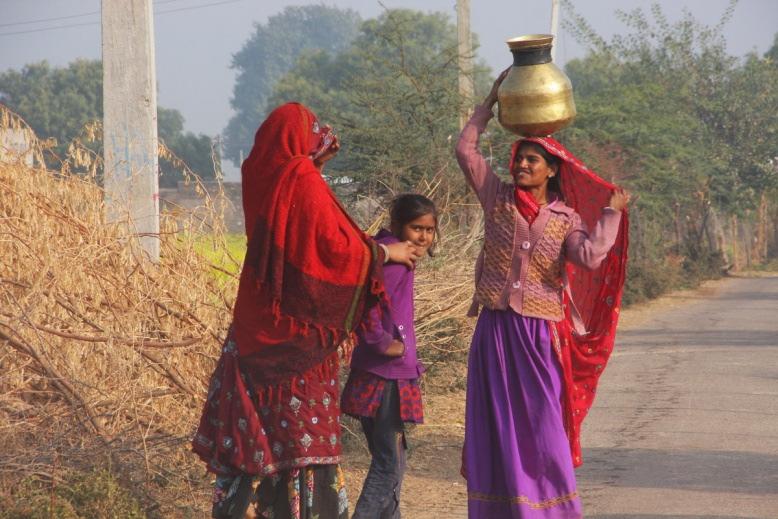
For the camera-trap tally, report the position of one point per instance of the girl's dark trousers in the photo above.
(380, 497)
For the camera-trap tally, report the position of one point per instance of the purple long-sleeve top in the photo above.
(385, 323)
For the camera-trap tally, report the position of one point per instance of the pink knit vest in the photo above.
(542, 285)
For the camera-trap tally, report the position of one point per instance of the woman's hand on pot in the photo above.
(396, 349)
(491, 99)
(620, 198)
(403, 252)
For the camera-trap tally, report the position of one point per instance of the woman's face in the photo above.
(530, 169)
(420, 232)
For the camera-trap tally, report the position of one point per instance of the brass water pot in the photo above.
(536, 97)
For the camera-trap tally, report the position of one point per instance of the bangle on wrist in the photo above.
(386, 252)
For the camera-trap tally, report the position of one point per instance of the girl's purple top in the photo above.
(382, 324)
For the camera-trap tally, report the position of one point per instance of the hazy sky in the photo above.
(195, 39)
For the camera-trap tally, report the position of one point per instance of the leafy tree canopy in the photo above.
(195, 150)
(667, 111)
(55, 102)
(391, 96)
(58, 102)
(694, 120)
(270, 52)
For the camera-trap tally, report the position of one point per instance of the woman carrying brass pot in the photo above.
(555, 235)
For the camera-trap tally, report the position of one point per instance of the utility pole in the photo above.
(217, 151)
(465, 61)
(130, 120)
(554, 26)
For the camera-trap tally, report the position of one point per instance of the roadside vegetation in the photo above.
(105, 357)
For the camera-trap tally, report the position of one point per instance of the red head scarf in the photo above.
(282, 144)
(596, 294)
(308, 266)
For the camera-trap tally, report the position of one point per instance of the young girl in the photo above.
(382, 389)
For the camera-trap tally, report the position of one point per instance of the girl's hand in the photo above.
(403, 252)
(620, 198)
(491, 99)
(327, 155)
(396, 349)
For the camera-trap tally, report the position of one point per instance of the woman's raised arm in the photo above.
(477, 171)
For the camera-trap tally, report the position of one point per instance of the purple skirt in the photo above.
(516, 457)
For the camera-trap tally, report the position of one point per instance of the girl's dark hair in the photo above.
(555, 182)
(407, 207)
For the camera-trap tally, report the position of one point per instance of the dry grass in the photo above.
(105, 356)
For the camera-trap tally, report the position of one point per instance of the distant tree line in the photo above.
(665, 110)
(58, 102)
(270, 53)
(662, 109)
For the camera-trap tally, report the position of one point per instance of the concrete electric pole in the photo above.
(554, 26)
(465, 61)
(130, 119)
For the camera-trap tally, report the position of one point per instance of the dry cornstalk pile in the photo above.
(105, 356)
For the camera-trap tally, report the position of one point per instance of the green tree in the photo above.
(55, 102)
(195, 150)
(721, 128)
(270, 52)
(391, 96)
(772, 53)
(692, 127)
(58, 102)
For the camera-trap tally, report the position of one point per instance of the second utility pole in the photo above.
(465, 61)
(554, 26)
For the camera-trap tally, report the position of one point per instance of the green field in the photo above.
(225, 254)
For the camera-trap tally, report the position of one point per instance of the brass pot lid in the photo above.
(530, 41)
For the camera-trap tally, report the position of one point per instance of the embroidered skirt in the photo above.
(363, 392)
(516, 457)
(247, 427)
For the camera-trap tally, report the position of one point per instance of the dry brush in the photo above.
(105, 356)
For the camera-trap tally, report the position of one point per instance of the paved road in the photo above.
(685, 424)
(686, 421)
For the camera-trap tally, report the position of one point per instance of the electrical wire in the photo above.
(197, 6)
(49, 28)
(42, 20)
(69, 17)
(45, 29)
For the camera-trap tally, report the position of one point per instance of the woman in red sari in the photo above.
(271, 416)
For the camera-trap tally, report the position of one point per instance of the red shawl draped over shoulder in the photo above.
(308, 276)
(596, 293)
(309, 271)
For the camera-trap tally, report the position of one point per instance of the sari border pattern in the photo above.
(523, 500)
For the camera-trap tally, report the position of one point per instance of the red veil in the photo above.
(596, 293)
(310, 271)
